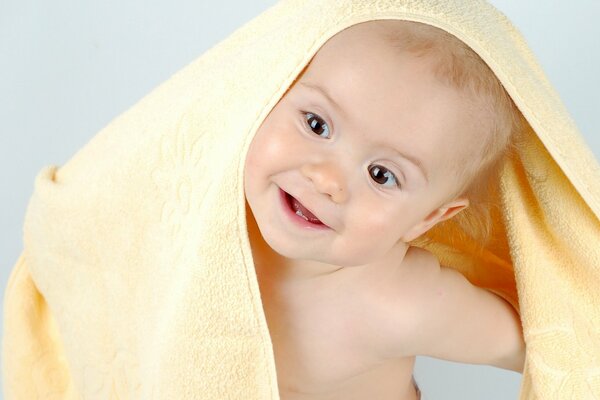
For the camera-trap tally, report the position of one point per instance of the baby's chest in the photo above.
(324, 343)
(321, 348)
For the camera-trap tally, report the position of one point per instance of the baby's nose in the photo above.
(327, 179)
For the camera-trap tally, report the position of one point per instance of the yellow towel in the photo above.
(137, 278)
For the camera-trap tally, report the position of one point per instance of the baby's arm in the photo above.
(460, 322)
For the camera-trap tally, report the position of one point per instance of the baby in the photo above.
(379, 139)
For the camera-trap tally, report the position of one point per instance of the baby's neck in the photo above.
(295, 274)
(274, 267)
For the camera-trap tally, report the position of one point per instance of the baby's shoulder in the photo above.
(417, 271)
(401, 308)
(420, 258)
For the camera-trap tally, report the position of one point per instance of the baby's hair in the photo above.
(456, 64)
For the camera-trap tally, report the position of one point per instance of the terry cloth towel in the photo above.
(137, 279)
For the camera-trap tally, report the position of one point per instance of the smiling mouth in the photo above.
(301, 211)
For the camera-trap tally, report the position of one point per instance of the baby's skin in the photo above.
(335, 189)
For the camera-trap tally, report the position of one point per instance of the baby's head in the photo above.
(392, 128)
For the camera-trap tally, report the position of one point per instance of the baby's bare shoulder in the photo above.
(401, 308)
(444, 316)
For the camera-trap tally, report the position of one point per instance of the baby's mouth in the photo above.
(301, 211)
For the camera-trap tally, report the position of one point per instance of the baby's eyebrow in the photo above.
(415, 161)
(325, 94)
(418, 163)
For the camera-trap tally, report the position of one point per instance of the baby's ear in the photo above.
(442, 213)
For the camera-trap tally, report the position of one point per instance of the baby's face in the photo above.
(370, 161)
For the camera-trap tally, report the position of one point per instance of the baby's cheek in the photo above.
(384, 223)
(378, 225)
(275, 148)
(280, 146)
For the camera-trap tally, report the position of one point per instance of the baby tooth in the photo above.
(299, 213)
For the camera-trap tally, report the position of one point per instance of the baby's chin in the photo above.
(325, 260)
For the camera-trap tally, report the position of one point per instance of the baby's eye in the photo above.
(316, 124)
(380, 175)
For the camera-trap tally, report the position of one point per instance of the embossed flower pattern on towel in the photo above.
(178, 174)
(119, 379)
(577, 344)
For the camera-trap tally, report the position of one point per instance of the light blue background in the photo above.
(69, 67)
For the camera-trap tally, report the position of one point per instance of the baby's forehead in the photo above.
(356, 42)
(334, 58)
